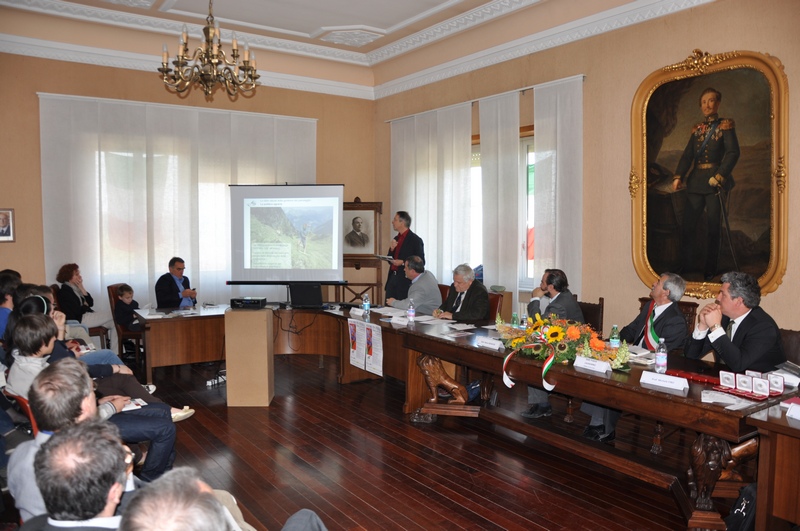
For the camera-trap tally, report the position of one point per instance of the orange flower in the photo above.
(573, 333)
(597, 344)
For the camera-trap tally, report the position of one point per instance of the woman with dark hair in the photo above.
(77, 303)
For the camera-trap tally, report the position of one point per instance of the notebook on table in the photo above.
(306, 296)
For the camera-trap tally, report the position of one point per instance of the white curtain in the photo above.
(126, 186)
(500, 174)
(431, 180)
(558, 200)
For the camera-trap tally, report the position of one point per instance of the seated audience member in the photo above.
(61, 395)
(739, 332)
(66, 333)
(662, 318)
(180, 500)
(77, 303)
(81, 472)
(8, 283)
(124, 314)
(113, 377)
(172, 289)
(467, 300)
(563, 305)
(424, 288)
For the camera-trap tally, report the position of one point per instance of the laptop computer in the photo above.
(306, 296)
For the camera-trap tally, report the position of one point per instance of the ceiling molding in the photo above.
(448, 28)
(631, 14)
(147, 63)
(639, 11)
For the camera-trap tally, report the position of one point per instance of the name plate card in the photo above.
(488, 342)
(664, 380)
(591, 364)
(400, 321)
(793, 412)
(356, 312)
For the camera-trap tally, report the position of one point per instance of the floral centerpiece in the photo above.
(556, 341)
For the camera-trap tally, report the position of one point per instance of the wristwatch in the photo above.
(717, 325)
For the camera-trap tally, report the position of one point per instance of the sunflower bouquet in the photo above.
(542, 336)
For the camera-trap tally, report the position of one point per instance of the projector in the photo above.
(249, 303)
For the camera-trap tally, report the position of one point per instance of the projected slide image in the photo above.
(291, 237)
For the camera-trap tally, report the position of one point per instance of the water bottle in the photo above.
(613, 339)
(515, 320)
(411, 312)
(661, 357)
(365, 304)
(523, 322)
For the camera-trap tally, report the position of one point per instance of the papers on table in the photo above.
(728, 400)
(461, 326)
(385, 258)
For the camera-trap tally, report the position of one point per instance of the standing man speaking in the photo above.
(404, 245)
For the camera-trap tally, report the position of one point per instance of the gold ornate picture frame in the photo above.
(665, 115)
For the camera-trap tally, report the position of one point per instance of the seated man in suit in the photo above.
(662, 318)
(172, 289)
(467, 300)
(81, 472)
(563, 304)
(739, 332)
(424, 288)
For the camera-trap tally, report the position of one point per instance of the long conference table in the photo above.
(172, 341)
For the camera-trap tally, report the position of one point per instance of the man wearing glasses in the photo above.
(172, 289)
(424, 288)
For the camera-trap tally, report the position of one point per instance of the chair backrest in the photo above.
(791, 345)
(593, 314)
(687, 308)
(444, 289)
(113, 291)
(495, 303)
(26, 408)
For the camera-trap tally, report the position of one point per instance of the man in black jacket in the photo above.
(172, 289)
(740, 333)
(467, 300)
(403, 246)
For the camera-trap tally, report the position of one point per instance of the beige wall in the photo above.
(353, 143)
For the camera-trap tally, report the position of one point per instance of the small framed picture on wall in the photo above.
(8, 228)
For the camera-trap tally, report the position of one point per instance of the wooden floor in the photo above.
(348, 453)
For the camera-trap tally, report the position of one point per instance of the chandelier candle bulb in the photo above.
(164, 55)
(235, 43)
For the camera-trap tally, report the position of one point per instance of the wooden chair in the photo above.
(593, 314)
(444, 289)
(97, 331)
(123, 334)
(25, 407)
(495, 303)
(689, 310)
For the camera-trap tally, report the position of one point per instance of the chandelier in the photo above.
(209, 65)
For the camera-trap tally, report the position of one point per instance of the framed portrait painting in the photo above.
(7, 225)
(361, 228)
(708, 175)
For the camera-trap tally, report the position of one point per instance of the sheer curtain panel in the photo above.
(500, 175)
(126, 186)
(558, 200)
(431, 180)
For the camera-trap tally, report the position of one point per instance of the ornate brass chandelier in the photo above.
(209, 65)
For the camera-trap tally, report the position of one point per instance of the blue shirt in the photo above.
(185, 301)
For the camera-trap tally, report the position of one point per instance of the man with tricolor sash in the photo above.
(661, 318)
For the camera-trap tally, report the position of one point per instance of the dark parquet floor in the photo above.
(348, 453)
